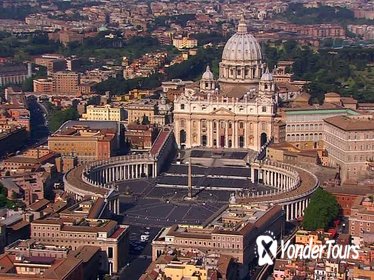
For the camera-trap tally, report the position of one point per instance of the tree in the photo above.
(58, 117)
(321, 211)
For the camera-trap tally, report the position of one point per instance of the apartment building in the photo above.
(349, 141)
(74, 233)
(104, 113)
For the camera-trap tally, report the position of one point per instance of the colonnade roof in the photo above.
(307, 183)
(74, 178)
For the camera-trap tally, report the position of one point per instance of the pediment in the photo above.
(222, 111)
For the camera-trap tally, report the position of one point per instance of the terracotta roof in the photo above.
(149, 276)
(85, 253)
(96, 208)
(39, 205)
(19, 225)
(223, 264)
(6, 263)
(349, 190)
(332, 94)
(160, 141)
(302, 98)
(348, 100)
(287, 87)
(118, 232)
(351, 124)
(63, 269)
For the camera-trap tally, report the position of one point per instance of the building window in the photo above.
(204, 140)
(241, 141)
(182, 106)
(263, 109)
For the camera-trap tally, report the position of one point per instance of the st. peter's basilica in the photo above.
(238, 110)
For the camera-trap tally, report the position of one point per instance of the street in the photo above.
(140, 253)
(39, 128)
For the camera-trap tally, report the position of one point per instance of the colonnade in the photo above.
(120, 168)
(274, 174)
(285, 179)
(113, 205)
(124, 171)
(295, 209)
(103, 174)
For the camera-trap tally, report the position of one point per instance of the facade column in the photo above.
(211, 134)
(253, 174)
(245, 136)
(218, 134)
(226, 134)
(271, 178)
(303, 206)
(287, 212)
(266, 177)
(291, 210)
(233, 135)
(276, 181)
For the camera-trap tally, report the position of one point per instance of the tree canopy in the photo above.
(4, 201)
(298, 14)
(348, 71)
(190, 69)
(321, 211)
(56, 116)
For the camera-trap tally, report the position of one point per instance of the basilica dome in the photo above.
(241, 67)
(242, 46)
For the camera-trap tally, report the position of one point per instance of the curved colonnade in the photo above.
(292, 185)
(97, 179)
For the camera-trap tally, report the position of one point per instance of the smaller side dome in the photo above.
(208, 75)
(267, 76)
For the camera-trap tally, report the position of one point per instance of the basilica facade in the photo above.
(238, 110)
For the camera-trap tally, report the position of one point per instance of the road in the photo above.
(140, 252)
(39, 128)
(264, 269)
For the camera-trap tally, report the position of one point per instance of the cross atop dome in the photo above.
(242, 27)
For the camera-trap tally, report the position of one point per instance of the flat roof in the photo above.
(351, 124)
(316, 111)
